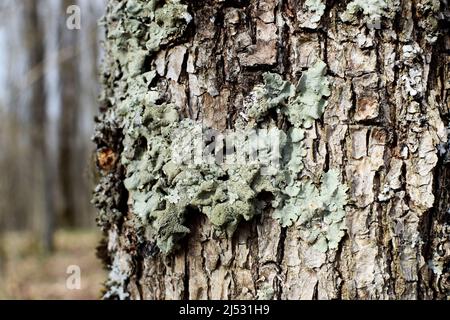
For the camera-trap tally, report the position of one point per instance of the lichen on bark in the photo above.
(165, 182)
(163, 190)
(362, 140)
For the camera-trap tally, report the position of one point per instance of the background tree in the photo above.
(366, 125)
(68, 125)
(44, 210)
(48, 93)
(48, 79)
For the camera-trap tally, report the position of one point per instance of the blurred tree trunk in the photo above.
(15, 137)
(69, 173)
(9, 184)
(383, 129)
(39, 157)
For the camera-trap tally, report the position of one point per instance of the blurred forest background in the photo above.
(48, 99)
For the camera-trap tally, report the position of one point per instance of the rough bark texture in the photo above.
(384, 129)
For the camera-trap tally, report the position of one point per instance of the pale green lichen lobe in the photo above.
(318, 210)
(302, 104)
(309, 104)
(317, 8)
(169, 21)
(374, 9)
(371, 10)
(311, 13)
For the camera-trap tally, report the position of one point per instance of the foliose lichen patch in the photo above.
(372, 10)
(319, 210)
(169, 170)
(164, 184)
(311, 14)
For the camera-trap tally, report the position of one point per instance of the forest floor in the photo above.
(26, 274)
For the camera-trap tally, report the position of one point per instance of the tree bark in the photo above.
(383, 129)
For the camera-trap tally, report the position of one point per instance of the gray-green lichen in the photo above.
(163, 193)
(372, 10)
(170, 173)
(118, 276)
(309, 103)
(317, 6)
(314, 12)
(302, 104)
(266, 292)
(319, 209)
(169, 21)
(164, 183)
(164, 21)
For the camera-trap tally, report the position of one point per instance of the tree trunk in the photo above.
(69, 173)
(43, 210)
(358, 206)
